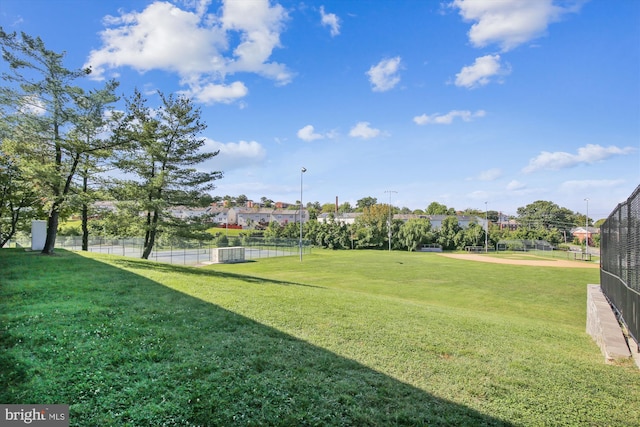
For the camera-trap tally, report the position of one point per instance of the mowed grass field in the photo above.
(345, 338)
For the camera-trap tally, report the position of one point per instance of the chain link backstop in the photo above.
(620, 261)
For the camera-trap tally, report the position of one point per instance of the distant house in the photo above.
(246, 217)
(436, 220)
(504, 222)
(344, 218)
(105, 206)
(218, 215)
(581, 232)
(285, 216)
(185, 212)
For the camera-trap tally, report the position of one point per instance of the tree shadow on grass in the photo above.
(112, 348)
(190, 270)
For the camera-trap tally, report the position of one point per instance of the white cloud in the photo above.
(196, 45)
(330, 20)
(212, 93)
(307, 134)
(510, 23)
(235, 155)
(384, 75)
(490, 174)
(582, 186)
(259, 25)
(363, 130)
(447, 119)
(591, 153)
(515, 185)
(481, 72)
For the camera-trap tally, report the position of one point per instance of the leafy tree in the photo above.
(313, 205)
(415, 232)
(313, 209)
(43, 99)
(496, 234)
(448, 231)
(493, 216)
(222, 241)
(266, 202)
(328, 208)
(90, 122)
(365, 202)
(436, 208)
(205, 199)
(330, 234)
(345, 208)
(311, 230)
(163, 149)
(473, 235)
(274, 230)
(291, 230)
(18, 201)
(547, 215)
(372, 226)
(580, 220)
(124, 222)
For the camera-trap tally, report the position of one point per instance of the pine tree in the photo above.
(163, 149)
(42, 96)
(91, 122)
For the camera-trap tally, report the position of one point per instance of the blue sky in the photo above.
(459, 102)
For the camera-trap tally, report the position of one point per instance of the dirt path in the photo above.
(540, 262)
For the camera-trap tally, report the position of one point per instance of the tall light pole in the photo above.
(586, 229)
(486, 231)
(302, 171)
(390, 191)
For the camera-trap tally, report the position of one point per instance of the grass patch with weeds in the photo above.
(343, 338)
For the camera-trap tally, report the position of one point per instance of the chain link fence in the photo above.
(620, 261)
(179, 251)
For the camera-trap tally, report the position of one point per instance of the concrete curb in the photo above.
(603, 326)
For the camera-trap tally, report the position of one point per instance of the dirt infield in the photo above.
(534, 261)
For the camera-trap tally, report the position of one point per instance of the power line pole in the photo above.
(302, 171)
(486, 231)
(390, 191)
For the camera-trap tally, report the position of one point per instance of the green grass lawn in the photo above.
(561, 255)
(231, 232)
(362, 338)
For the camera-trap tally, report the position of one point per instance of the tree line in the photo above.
(540, 220)
(61, 139)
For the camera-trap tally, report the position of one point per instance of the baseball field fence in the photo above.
(620, 262)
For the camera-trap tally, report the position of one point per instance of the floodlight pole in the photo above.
(302, 171)
(586, 229)
(486, 232)
(390, 191)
